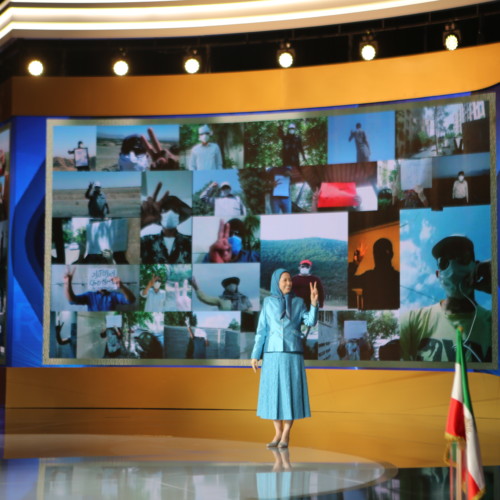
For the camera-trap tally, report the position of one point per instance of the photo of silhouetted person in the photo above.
(380, 285)
(361, 142)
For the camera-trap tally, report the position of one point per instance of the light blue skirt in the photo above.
(283, 387)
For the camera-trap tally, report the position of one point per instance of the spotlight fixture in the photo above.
(285, 55)
(192, 62)
(368, 47)
(35, 67)
(451, 37)
(120, 67)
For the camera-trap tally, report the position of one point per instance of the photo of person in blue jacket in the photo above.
(283, 395)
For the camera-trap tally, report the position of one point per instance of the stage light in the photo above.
(368, 47)
(120, 67)
(35, 67)
(192, 62)
(285, 55)
(451, 37)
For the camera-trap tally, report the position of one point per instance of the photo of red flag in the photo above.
(461, 427)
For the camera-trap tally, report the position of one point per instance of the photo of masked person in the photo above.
(98, 195)
(460, 191)
(232, 287)
(94, 288)
(206, 155)
(280, 196)
(154, 294)
(165, 287)
(137, 148)
(82, 240)
(217, 241)
(462, 180)
(165, 218)
(230, 300)
(102, 299)
(98, 205)
(115, 347)
(318, 238)
(219, 192)
(211, 146)
(292, 149)
(427, 334)
(221, 200)
(100, 336)
(302, 280)
(276, 165)
(457, 295)
(133, 335)
(74, 147)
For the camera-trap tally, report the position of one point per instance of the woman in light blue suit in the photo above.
(283, 395)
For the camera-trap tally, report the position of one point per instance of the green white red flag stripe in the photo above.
(461, 427)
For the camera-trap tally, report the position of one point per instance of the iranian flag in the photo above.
(461, 427)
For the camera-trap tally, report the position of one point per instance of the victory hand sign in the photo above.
(314, 293)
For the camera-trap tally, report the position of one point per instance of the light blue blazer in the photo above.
(281, 335)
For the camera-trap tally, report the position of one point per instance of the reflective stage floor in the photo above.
(201, 454)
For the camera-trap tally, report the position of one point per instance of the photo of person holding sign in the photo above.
(111, 293)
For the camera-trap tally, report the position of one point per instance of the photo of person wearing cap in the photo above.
(98, 205)
(222, 201)
(428, 333)
(205, 155)
(292, 148)
(301, 284)
(230, 300)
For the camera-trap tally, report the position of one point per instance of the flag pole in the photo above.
(461, 430)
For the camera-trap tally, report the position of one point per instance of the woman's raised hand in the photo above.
(314, 293)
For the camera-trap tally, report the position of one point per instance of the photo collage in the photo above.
(164, 235)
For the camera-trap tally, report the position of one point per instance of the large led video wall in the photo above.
(162, 234)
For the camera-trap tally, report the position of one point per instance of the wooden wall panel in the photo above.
(331, 390)
(295, 88)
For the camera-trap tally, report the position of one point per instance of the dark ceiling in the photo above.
(401, 36)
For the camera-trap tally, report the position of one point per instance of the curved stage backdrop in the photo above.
(161, 234)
